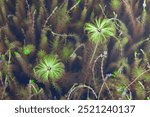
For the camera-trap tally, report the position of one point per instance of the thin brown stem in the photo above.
(50, 16)
(94, 52)
(78, 87)
(138, 78)
(104, 79)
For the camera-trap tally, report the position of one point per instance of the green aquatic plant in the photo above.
(44, 39)
(66, 52)
(41, 53)
(35, 90)
(28, 49)
(116, 73)
(115, 4)
(49, 67)
(100, 30)
(121, 88)
(30, 30)
(139, 90)
(55, 44)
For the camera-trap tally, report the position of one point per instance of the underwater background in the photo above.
(75, 49)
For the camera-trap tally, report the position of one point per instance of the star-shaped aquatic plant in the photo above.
(100, 30)
(49, 67)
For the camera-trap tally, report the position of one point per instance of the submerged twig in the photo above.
(74, 6)
(104, 78)
(103, 10)
(81, 86)
(50, 16)
(135, 79)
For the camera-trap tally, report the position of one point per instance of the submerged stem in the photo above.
(138, 78)
(94, 52)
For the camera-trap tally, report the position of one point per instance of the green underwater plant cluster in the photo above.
(49, 67)
(75, 49)
(100, 30)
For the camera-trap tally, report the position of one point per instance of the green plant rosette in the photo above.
(100, 30)
(49, 67)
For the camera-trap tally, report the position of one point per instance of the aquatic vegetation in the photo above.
(66, 52)
(41, 53)
(115, 4)
(49, 67)
(100, 30)
(28, 49)
(80, 49)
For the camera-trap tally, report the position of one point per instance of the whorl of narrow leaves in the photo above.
(49, 67)
(100, 30)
